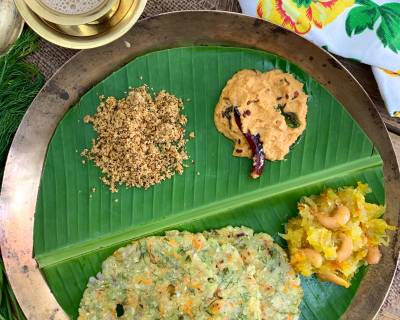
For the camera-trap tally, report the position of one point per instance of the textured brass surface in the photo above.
(64, 89)
(85, 33)
(48, 14)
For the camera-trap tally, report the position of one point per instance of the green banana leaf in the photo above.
(76, 228)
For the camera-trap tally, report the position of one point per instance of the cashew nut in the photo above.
(346, 248)
(331, 277)
(313, 256)
(373, 255)
(339, 217)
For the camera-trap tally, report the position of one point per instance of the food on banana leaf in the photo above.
(335, 233)
(263, 113)
(230, 273)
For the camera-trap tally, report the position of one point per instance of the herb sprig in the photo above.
(20, 81)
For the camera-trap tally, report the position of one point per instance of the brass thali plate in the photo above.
(27, 154)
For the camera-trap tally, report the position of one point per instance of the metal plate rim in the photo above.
(80, 73)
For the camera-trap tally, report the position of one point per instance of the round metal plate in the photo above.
(28, 151)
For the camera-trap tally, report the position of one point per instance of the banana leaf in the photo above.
(76, 228)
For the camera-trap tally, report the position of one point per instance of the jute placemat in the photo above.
(49, 58)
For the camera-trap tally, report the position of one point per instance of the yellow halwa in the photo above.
(335, 233)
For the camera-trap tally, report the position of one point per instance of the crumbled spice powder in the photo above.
(140, 141)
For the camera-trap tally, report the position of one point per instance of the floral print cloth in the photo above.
(365, 30)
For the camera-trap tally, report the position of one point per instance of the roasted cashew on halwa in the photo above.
(331, 277)
(313, 256)
(373, 255)
(339, 217)
(346, 248)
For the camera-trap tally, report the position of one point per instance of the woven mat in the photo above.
(49, 58)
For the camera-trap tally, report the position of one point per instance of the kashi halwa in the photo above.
(335, 233)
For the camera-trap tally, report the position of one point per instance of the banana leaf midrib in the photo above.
(76, 228)
(121, 237)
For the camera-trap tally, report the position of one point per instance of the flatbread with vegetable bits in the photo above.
(183, 276)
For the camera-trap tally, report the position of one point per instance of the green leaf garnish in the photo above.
(20, 81)
(291, 118)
